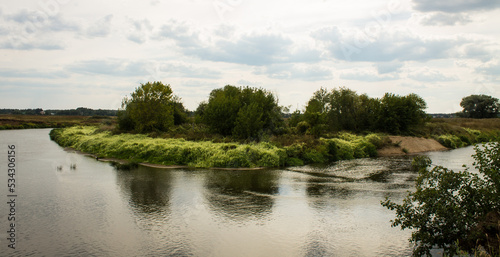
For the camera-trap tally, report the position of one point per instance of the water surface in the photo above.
(95, 210)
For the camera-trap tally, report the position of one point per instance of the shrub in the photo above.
(292, 161)
(450, 141)
(375, 140)
(449, 209)
(302, 127)
(345, 149)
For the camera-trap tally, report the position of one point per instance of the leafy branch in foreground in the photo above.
(454, 210)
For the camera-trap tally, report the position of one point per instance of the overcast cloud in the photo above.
(67, 54)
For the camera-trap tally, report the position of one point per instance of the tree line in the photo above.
(250, 113)
(80, 111)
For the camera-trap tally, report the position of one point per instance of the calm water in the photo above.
(95, 210)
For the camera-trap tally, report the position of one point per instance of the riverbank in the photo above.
(400, 145)
(175, 152)
(140, 148)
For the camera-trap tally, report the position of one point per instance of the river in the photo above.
(92, 209)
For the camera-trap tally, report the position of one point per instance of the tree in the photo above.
(180, 113)
(344, 109)
(399, 113)
(480, 106)
(149, 108)
(243, 112)
(450, 209)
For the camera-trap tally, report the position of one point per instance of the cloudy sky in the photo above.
(67, 53)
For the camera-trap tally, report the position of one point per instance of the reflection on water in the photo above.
(329, 210)
(148, 189)
(241, 194)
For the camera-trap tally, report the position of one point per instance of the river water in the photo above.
(96, 210)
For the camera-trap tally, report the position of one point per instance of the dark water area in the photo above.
(96, 210)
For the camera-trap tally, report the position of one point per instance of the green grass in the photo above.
(175, 151)
(193, 145)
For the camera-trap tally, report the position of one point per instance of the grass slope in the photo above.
(173, 151)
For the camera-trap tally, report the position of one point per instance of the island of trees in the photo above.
(246, 127)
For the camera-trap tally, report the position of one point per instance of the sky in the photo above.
(64, 54)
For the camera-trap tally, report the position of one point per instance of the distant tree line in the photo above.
(81, 111)
(250, 113)
(343, 109)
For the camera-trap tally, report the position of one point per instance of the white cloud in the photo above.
(367, 76)
(412, 48)
(454, 6)
(19, 43)
(491, 70)
(180, 33)
(387, 46)
(139, 30)
(430, 75)
(32, 73)
(101, 27)
(152, 70)
(254, 48)
(445, 19)
(296, 72)
(388, 67)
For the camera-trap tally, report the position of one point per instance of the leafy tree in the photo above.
(315, 116)
(180, 113)
(221, 110)
(344, 109)
(449, 207)
(480, 106)
(295, 118)
(345, 105)
(368, 113)
(249, 121)
(399, 113)
(243, 112)
(149, 108)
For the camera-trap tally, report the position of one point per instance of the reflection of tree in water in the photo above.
(147, 188)
(321, 187)
(241, 194)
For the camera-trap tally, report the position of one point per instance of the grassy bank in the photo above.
(10, 121)
(459, 132)
(173, 151)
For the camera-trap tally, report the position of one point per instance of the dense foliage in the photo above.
(343, 109)
(151, 107)
(243, 112)
(480, 106)
(454, 210)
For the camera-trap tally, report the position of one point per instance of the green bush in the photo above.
(375, 140)
(450, 141)
(452, 210)
(292, 161)
(302, 127)
(345, 149)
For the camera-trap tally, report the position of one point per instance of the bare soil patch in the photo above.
(410, 145)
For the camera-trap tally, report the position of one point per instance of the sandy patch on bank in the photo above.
(411, 144)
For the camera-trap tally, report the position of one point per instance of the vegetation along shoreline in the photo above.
(180, 153)
(245, 127)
